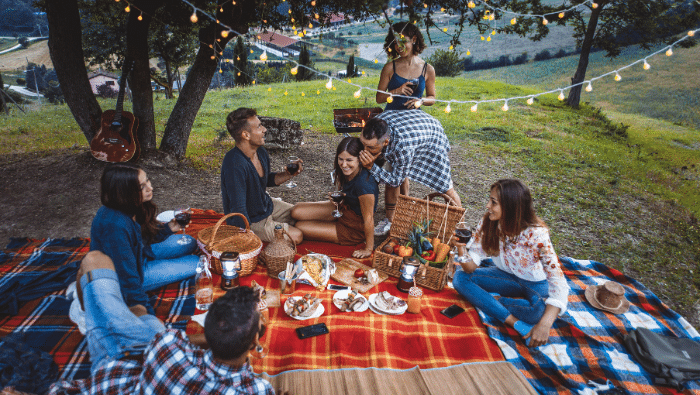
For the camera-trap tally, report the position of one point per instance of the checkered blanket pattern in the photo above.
(585, 343)
(44, 322)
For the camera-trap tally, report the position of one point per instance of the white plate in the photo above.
(319, 310)
(166, 216)
(340, 295)
(374, 307)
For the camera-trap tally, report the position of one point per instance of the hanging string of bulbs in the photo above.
(667, 50)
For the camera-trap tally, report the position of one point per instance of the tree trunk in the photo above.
(169, 89)
(140, 81)
(575, 93)
(66, 50)
(179, 126)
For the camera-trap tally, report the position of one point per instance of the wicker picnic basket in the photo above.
(278, 252)
(445, 217)
(215, 240)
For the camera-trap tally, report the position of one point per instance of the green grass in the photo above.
(6, 43)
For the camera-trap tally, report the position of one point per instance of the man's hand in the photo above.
(367, 159)
(301, 168)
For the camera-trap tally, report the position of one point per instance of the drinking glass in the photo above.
(337, 197)
(183, 217)
(292, 168)
(464, 234)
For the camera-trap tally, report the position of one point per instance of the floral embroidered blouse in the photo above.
(529, 256)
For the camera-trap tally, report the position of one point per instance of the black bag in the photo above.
(672, 360)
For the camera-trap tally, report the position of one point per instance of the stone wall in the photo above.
(282, 133)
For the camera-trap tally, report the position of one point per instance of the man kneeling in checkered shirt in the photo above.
(415, 147)
(133, 353)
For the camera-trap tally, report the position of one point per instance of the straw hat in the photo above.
(609, 297)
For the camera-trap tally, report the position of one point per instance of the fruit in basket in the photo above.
(359, 273)
(389, 247)
(396, 249)
(405, 251)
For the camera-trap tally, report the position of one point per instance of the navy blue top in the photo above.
(396, 81)
(119, 237)
(362, 184)
(243, 190)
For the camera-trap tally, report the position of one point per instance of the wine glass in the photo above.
(183, 217)
(259, 351)
(337, 197)
(464, 234)
(292, 168)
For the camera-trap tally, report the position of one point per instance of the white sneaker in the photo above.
(382, 227)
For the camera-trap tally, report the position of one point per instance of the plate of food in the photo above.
(385, 303)
(350, 301)
(166, 216)
(303, 307)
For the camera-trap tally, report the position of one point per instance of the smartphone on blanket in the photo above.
(312, 330)
(452, 311)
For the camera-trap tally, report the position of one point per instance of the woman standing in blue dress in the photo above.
(403, 44)
(146, 253)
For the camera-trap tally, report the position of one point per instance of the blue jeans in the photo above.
(112, 330)
(476, 288)
(174, 262)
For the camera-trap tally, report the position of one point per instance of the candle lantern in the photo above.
(409, 267)
(231, 264)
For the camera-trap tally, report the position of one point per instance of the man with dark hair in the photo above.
(132, 353)
(245, 174)
(414, 146)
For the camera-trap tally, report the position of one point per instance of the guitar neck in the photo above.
(122, 87)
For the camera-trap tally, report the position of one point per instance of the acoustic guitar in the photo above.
(116, 140)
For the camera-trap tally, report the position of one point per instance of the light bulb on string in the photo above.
(617, 76)
(594, 5)
(310, 26)
(471, 4)
(220, 71)
(269, 89)
(349, 81)
(318, 91)
(253, 82)
(483, 38)
(418, 103)
(474, 107)
(513, 21)
(329, 84)
(544, 21)
(390, 99)
(128, 8)
(425, 5)
(140, 17)
(448, 109)
(531, 100)
(376, 60)
(492, 17)
(286, 93)
(358, 93)
(561, 95)
(263, 57)
(452, 47)
(294, 70)
(221, 9)
(691, 33)
(224, 33)
(251, 51)
(488, 38)
(313, 3)
(316, 16)
(469, 52)
(303, 94)
(561, 15)
(239, 74)
(589, 87)
(646, 65)
(669, 52)
(444, 29)
(505, 106)
(493, 33)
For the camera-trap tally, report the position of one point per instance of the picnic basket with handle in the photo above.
(220, 238)
(276, 255)
(445, 218)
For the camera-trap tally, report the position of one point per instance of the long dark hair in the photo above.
(517, 214)
(120, 190)
(351, 145)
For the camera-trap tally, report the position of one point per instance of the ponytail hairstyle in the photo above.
(517, 214)
(351, 145)
(120, 190)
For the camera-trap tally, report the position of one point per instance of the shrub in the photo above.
(544, 55)
(23, 41)
(446, 63)
(21, 81)
(560, 54)
(106, 91)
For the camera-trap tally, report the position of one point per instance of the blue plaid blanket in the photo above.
(585, 343)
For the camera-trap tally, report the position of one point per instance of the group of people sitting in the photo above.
(511, 271)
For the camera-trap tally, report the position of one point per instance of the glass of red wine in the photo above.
(183, 217)
(337, 197)
(292, 168)
(464, 234)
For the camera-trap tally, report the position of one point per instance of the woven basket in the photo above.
(276, 254)
(215, 240)
(445, 218)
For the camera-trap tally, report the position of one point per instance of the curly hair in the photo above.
(403, 29)
(232, 323)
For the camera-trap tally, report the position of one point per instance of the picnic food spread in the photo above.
(386, 302)
(349, 301)
(301, 306)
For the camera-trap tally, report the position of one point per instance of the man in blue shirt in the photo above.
(245, 174)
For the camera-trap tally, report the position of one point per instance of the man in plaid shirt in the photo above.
(415, 147)
(130, 355)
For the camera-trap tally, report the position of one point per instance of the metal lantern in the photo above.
(409, 268)
(231, 265)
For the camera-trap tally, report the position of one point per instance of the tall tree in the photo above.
(350, 67)
(304, 74)
(240, 63)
